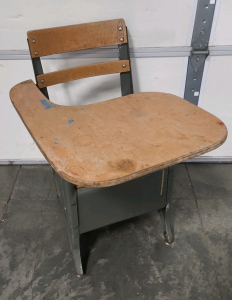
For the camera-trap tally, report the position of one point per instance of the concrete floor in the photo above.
(128, 260)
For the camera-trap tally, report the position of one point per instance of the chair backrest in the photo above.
(56, 40)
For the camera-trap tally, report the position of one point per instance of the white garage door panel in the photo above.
(150, 74)
(217, 97)
(223, 32)
(15, 141)
(151, 23)
(161, 74)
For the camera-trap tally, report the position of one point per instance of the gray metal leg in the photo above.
(165, 212)
(67, 194)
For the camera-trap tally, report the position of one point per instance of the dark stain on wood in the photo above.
(122, 165)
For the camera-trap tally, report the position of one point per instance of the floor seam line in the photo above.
(5, 209)
(204, 234)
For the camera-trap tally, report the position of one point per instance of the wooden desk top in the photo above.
(110, 142)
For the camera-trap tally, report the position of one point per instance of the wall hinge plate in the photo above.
(197, 58)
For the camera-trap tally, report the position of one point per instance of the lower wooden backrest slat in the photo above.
(66, 75)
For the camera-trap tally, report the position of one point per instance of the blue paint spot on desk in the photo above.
(69, 122)
(46, 104)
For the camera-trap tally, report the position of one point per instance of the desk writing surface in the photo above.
(113, 141)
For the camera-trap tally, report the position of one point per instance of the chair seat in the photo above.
(114, 141)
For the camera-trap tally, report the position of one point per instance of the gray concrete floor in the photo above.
(128, 260)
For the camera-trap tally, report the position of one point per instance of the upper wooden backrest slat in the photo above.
(76, 37)
(66, 75)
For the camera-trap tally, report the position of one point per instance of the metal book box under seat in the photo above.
(112, 159)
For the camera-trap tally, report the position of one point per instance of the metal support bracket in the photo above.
(125, 77)
(200, 50)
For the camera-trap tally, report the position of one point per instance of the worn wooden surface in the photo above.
(76, 37)
(114, 141)
(66, 75)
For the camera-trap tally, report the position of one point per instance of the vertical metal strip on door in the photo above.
(200, 50)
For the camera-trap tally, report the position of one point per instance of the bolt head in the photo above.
(200, 44)
(207, 6)
(192, 90)
(33, 41)
(121, 39)
(36, 53)
(195, 70)
(42, 81)
(73, 203)
(124, 65)
(120, 28)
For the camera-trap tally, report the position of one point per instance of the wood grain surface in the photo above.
(55, 40)
(114, 141)
(66, 75)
